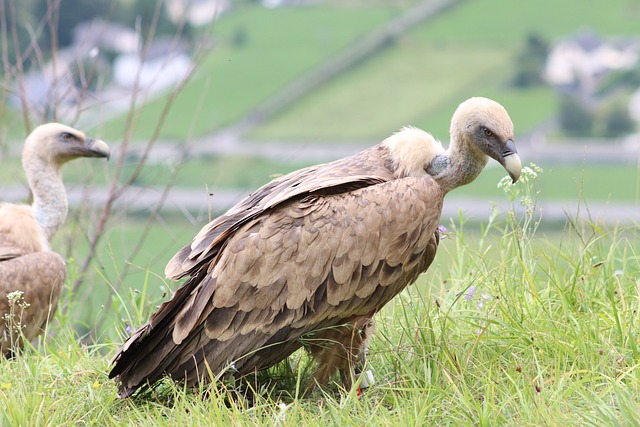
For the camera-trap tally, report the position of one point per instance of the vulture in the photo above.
(27, 263)
(309, 258)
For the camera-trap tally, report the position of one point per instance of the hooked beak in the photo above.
(510, 160)
(96, 148)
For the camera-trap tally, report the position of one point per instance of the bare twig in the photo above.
(20, 68)
(116, 190)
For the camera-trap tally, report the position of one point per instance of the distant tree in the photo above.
(240, 37)
(530, 62)
(576, 119)
(65, 15)
(70, 14)
(17, 15)
(631, 78)
(143, 13)
(617, 121)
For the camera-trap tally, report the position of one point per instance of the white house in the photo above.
(585, 58)
(103, 35)
(196, 12)
(165, 63)
(634, 106)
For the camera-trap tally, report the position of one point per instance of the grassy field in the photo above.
(469, 50)
(510, 327)
(248, 62)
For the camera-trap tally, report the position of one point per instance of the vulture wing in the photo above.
(9, 250)
(361, 170)
(39, 276)
(19, 231)
(310, 251)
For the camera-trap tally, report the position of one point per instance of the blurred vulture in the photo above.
(309, 258)
(27, 263)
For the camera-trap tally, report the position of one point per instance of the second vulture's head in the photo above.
(485, 128)
(56, 144)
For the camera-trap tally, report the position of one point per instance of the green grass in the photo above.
(507, 23)
(400, 88)
(510, 327)
(397, 88)
(218, 172)
(129, 264)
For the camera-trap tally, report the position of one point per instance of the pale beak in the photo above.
(97, 148)
(511, 160)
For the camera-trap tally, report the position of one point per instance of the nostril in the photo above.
(509, 148)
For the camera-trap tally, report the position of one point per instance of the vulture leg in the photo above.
(340, 349)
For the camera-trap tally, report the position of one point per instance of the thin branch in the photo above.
(53, 15)
(20, 69)
(116, 190)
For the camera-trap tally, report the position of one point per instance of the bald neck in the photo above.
(49, 195)
(461, 163)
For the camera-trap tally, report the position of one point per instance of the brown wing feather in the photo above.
(28, 236)
(9, 250)
(363, 169)
(308, 263)
(40, 277)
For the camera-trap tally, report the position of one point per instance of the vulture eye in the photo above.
(67, 137)
(488, 133)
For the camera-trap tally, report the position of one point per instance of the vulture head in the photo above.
(55, 144)
(46, 149)
(481, 127)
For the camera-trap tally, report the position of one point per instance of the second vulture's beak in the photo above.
(510, 160)
(97, 148)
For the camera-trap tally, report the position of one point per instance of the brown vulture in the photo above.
(27, 263)
(310, 257)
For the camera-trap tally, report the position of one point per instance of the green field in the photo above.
(592, 183)
(235, 76)
(421, 78)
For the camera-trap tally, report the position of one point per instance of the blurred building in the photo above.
(196, 12)
(581, 61)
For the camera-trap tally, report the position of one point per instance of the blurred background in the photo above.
(203, 101)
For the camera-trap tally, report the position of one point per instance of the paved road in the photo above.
(532, 149)
(198, 201)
